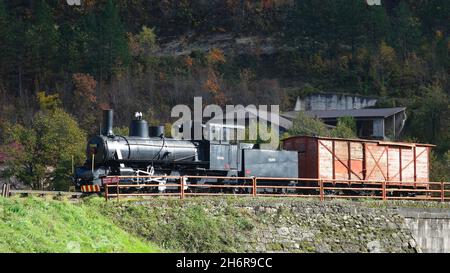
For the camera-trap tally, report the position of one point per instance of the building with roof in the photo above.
(371, 123)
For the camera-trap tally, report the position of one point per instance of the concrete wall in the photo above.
(429, 227)
(333, 102)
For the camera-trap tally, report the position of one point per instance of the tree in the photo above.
(42, 156)
(109, 47)
(214, 59)
(43, 38)
(147, 39)
(4, 33)
(13, 53)
(351, 17)
(121, 131)
(308, 126)
(378, 26)
(141, 46)
(71, 45)
(440, 167)
(85, 101)
(345, 128)
(406, 29)
(48, 102)
(429, 117)
(17, 53)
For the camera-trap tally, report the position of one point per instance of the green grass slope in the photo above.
(42, 225)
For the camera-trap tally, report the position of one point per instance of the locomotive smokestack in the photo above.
(107, 128)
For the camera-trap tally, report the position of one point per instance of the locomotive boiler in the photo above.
(146, 151)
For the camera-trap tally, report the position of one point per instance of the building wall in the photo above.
(333, 102)
(378, 127)
(394, 125)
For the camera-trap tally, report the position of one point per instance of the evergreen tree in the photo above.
(429, 120)
(111, 44)
(4, 38)
(43, 39)
(351, 16)
(377, 25)
(406, 29)
(14, 50)
(71, 48)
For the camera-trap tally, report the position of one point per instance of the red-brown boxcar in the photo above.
(404, 164)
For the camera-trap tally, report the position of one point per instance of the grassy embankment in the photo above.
(92, 225)
(43, 225)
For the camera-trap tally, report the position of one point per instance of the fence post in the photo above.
(383, 192)
(117, 187)
(254, 187)
(106, 192)
(5, 190)
(442, 191)
(321, 190)
(182, 187)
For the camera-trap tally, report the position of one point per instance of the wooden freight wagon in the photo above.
(403, 164)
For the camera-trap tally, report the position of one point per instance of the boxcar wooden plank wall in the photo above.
(357, 160)
(376, 162)
(326, 159)
(393, 164)
(350, 159)
(407, 171)
(311, 159)
(341, 160)
(422, 164)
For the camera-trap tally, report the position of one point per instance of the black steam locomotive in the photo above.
(147, 152)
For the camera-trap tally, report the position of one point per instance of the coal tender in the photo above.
(146, 151)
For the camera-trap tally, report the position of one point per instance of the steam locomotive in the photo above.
(147, 152)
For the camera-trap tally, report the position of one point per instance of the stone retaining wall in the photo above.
(328, 227)
(290, 225)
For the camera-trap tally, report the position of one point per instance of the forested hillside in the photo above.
(143, 55)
